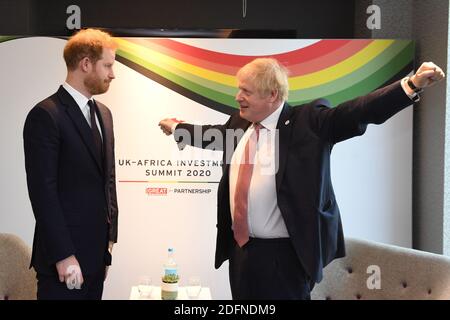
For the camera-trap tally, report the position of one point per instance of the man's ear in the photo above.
(85, 64)
(274, 95)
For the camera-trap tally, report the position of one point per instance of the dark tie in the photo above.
(95, 132)
(97, 141)
(240, 216)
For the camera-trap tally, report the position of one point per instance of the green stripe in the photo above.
(353, 78)
(193, 78)
(198, 89)
(215, 86)
(7, 38)
(371, 83)
(225, 89)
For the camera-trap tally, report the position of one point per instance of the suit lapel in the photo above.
(80, 123)
(284, 127)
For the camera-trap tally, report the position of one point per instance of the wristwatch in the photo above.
(413, 87)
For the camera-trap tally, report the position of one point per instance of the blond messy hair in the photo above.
(87, 43)
(267, 74)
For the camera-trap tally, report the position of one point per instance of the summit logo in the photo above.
(156, 191)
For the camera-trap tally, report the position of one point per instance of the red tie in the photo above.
(240, 221)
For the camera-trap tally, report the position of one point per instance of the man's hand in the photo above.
(427, 75)
(110, 249)
(69, 271)
(167, 125)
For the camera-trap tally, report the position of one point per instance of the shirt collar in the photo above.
(79, 98)
(271, 121)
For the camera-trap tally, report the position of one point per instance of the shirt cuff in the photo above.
(174, 126)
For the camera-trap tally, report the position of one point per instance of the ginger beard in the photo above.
(95, 84)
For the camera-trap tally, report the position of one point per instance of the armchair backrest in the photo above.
(17, 281)
(374, 270)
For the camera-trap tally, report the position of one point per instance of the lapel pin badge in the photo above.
(287, 122)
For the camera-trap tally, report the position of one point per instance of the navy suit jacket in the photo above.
(71, 191)
(305, 193)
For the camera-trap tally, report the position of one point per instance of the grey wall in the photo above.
(430, 29)
(396, 18)
(447, 147)
(426, 22)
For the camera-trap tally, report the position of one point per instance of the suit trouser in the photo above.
(50, 288)
(267, 269)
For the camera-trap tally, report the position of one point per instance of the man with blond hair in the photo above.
(279, 225)
(69, 161)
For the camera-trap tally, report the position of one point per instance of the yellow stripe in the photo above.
(162, 60)
(295, 83)
(342, 68)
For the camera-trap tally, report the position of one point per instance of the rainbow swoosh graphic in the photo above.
(337, 70)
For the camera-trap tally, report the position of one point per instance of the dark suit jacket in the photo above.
(71, 190)
(305, 193)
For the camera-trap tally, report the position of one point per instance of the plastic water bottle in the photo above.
(169, 286)
(170, 267)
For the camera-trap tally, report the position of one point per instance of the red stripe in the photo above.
(329, 59)
(221, 68)
(302, 55)
(309, 59)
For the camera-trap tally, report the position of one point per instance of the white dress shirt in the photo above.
(264, 216)
(82, 102)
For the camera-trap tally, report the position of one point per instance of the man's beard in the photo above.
(95, 85)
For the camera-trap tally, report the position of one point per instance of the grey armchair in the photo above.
(17, 281)
(373, 270)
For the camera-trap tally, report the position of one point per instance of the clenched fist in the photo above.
(427, 75)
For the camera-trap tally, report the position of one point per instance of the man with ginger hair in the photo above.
(279, 228)
(69, 161)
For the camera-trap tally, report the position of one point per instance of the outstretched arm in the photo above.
(351, 118)
(210, 137)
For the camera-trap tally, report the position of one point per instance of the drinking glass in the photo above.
(194, 287)
(145, 287)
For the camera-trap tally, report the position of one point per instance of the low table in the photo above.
(205, 294)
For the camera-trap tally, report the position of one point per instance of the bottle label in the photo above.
(169, 271)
